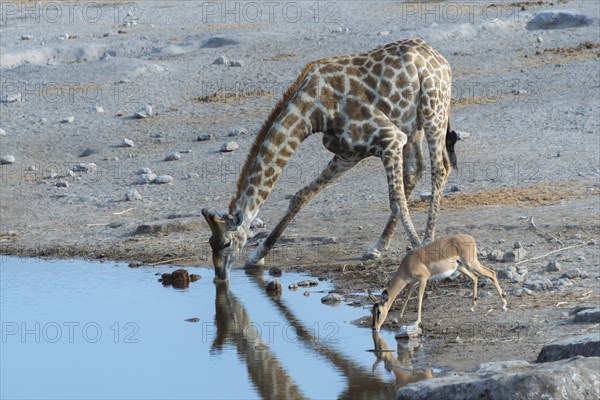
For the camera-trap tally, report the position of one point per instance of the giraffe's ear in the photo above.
(384, 296)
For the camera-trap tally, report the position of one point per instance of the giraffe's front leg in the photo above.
(374, 251)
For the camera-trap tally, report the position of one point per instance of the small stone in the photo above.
(592, 242)
(522, 270)
(127, 143)
(564, 283)
(144, 170)
(332, 299)
(409, 331)
(10, 98)
(506, 273)
(26, 37)
(564, 315)
(580, 258)
(574, 273)
(237, 132)
(383, 33)
(98, 109)
(68, 120)
(7, 160)
(144, 179)
(307, 283)
(163, 179)
(229, 147)
(257, 223)
(454, 188)
(85, 167)
(236, 63)
(539, 39)
(135, 264)
(553, 266)
(191, 175)
(528, 292)
(144, 112)
(62, 184)
(132, 195)
(195, 277)
(329, 240)
(274, 287)
(425, 196)
(462, 135)
(514, 255)
(186, 151)
(31, 168)
(205, 136)
(275, 271)
(306, 293)
(69, 174)
(87, 152)
(517, 292)
(221, 60)
(517, 245)
(496, 255)
(2, 132)
(173, 156)
(538, 283)
(293, 286)
(195, 319)
(591, 315)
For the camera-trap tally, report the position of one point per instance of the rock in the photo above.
(127, 143)
(513, 380)
(332, 299)
(173, 156)
(454, 188)
(517, 292)
(144, 170)
(383, 33)
(558, 19)
(135, 264)
(257, 223)
(7, 160)
(163, 179)
(425, 196)
(205, 136)
(591, 315)
(195, 277)
(537, 283)
(68, 120)
(31, 168)
(85, 167)
(98, 109)
(216, 42)
(306, 293)
(517, 245)
(26, 37)
(87, 152)
(236, 63)
(553, 266)
(514, 255)
(528, 292)
(581, 345)
(166, 227)
(329, 240)
(307, 283)
(145, 179)
(293, 286)
(237, 132)
(195, 319)
(132, 195)
(539, 39)
(191, 175)
(574, 273)
(580, 258)
(179, 279)
(229, 147)
(275, 271)
(2, 132)
(409, 331)
(221, 60)
(506, 273)
(186, 151)
(10, 98)
(462, 135)
(274, 287)
(522, 270)
(562, 284)
(62, 184)
(496, 255)
(144, 112)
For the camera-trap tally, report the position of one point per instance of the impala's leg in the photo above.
(422, 284)
(476, 266)
(473, 278)
(333, 170)
(409, 291)
(413, 171)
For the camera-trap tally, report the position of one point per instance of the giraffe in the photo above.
(379, 103)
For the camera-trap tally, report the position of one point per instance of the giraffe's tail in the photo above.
(451, 139)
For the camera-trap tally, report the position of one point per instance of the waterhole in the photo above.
(75, 329)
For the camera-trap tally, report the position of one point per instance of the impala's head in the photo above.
(379, 310)
(226, 241)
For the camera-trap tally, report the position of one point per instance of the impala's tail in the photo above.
(451, 139)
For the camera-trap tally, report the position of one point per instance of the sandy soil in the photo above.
(529, 98)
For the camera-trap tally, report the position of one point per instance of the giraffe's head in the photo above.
(380, 310)
(226, 241)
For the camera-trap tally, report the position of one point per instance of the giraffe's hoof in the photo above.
(371, 254)
(252, 264)
(504, 309)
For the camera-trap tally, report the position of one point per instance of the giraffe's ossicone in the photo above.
(378, 103)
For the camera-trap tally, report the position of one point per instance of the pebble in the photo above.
(2, 132)
(527, 292)
(522, 270)
(191, 175)
(293, 286)
(275, 271)
(454, 188)
(274, 287)
(132, 195)
(26, 37)
(589, 315)
(144, 179)
(237, 132)
(517, 245)
(85, 167)
(10, 98)
(98, 109)
(553, 266)
(163, 179)
(410, 331)
(306, 293)
(515, 255)
(496, 255)
(7, 160)
(31, 168)
(539, 39)
(538, 283)
(563, 283)
(144, 170)
(221, 60)
(205, 136)
(307, 283)
(383, 33)
(127, 143)
(229, 147)
(332, 298)
(236, 63)
(571, 274)
(329, 240)
(173, 156)
(425, 196)
(62, 184)
(462, 135)
(257, 223)
(580, 258)
(144, 112)
(186, 151)
(68, 120)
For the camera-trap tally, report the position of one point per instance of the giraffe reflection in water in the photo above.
(268, 374)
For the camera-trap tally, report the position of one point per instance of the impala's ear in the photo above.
(372, 297)
(384, 296)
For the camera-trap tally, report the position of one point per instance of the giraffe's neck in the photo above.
(274, 147)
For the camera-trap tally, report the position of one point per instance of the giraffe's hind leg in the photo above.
(336, 167)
